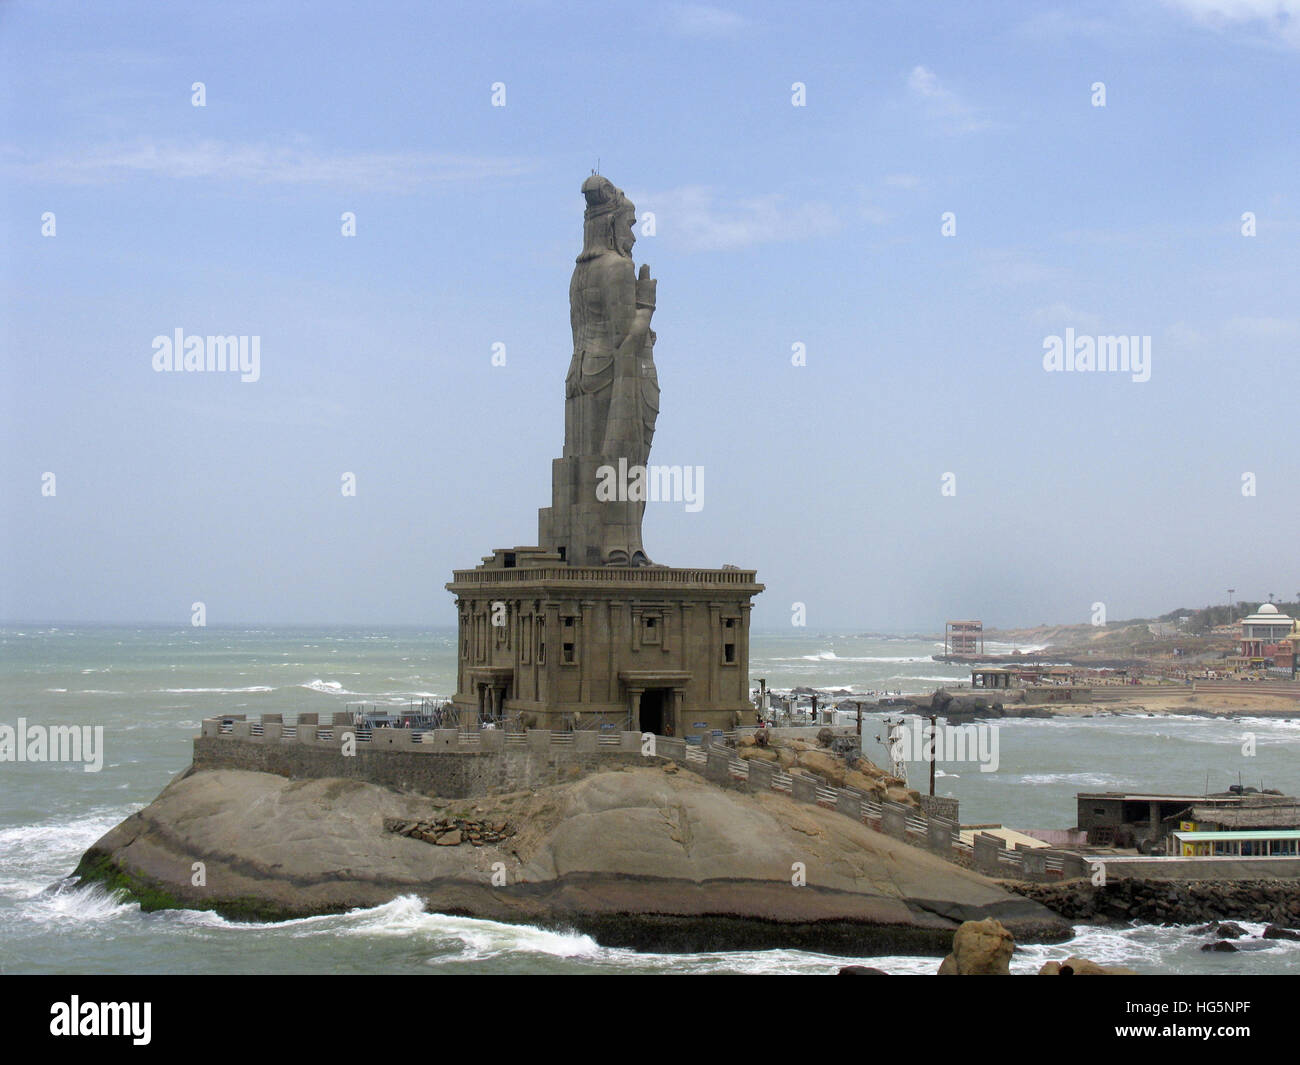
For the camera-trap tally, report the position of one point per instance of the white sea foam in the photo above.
(1086, 779)
(214, 691)
(68, 902)
(326, 687)
(35, 859)
(831, 656)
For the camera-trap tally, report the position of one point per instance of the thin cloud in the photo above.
(700, 20)
(1060, 315)
(1264, 330)
(1011, 267)
(293, 164)
(902, 181)
(1277, 19)
(703, 220)
(944, 106)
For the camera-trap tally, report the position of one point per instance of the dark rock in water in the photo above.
(1076, 966)
(860, 970)
(958, 707)
(1230, 929)
(1276, 932)
(1221, 947)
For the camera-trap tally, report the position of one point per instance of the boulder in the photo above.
(757, 754)
(979, 948)
(1221, 947)
(860, 970)
(823, 764)
(449, 839)
(1075, 966)
(1230, 930)
(1277, 932)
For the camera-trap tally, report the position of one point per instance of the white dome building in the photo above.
(1262, 631)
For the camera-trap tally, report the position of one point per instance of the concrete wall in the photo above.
(1198, 868)
(441, 767)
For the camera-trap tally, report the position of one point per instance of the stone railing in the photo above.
(607, 575)
(310, 731)
(989, 854)
(720, 765)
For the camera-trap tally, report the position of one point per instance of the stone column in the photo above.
(803, 789)
(893, 820)
(985, 850)
(634, 704)
(678, 712)
(760, 775)
(939, 833)
(742, 653)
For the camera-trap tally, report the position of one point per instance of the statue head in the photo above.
(607, 224)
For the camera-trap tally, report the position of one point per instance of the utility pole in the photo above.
(933, 731)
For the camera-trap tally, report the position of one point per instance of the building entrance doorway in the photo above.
(656, 704)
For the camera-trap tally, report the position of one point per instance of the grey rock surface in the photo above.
(638, 857)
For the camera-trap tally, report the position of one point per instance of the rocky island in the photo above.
(652, 858)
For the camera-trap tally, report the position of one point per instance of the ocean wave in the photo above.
(470, 939)
(70, 902)
(35, 856)
(326, 687)
(213, 691)
(831, 656)
(1090, 779)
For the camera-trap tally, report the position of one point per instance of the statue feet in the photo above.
(620, 556)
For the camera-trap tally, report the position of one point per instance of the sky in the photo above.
(866, 221)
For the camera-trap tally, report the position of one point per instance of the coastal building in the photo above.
(992, 678)
(1262, 633)
(1123, 819)
(963, 638)
(1286, 659)
(1274, 844)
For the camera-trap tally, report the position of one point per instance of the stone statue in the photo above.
(611, 394)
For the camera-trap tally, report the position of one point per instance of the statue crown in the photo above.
(602, 196)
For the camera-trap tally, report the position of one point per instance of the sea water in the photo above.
(150, 687)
